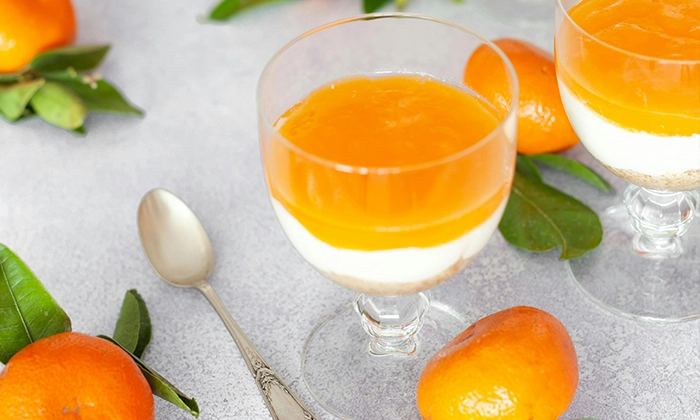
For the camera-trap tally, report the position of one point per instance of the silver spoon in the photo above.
(179, 250)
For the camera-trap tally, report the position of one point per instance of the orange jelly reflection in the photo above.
(389, 162)
(655, 88)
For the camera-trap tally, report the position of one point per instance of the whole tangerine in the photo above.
(30, 27)
(516, 364)
(74, 376)
(543, 126)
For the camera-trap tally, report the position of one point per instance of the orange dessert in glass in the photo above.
(388, 174)
(629, 75)
(389, 184)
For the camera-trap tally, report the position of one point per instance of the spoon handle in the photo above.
(280, 399)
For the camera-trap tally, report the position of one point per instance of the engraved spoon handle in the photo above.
(280, 399)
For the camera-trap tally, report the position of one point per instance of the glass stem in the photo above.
(660, 218)
(392, 321)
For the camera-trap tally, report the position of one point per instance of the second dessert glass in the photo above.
(639, 115)
(387, 217)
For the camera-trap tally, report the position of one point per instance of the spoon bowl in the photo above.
(174, 240)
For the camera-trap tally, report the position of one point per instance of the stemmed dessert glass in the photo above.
(387, 232)
(639, 116)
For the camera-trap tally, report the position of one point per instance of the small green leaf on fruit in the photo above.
(574, 168)
(161, 387)
(15, 97)
(27, 310)
(133, 330)
(370, 6)
(59, 106)
(78, 58)
(540, 218)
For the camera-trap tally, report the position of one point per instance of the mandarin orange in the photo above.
(74, 376)
(30, 27)
(519, 363)
(543, 126)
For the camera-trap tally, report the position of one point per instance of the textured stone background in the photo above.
(68, 207)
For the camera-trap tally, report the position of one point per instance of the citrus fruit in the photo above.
(30, 27)
(543, 126)
(74, 376)
(519, 364)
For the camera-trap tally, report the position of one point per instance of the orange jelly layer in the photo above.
(655, 87)
(383, 163)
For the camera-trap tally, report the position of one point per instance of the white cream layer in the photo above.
(403, 265)
(637, 151)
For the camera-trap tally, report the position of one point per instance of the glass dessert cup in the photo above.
(389, 232)
(639, 116)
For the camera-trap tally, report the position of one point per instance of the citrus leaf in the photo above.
(15, 97)
(78, 58)
(97, 95)
(228, 8)
(574, 168)
(59, 106)
(370, 6)
(540, 218)
(27, 310)
(160, 386)
(525, 166)
(133, 330)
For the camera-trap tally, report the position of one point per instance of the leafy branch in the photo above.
(54, 88)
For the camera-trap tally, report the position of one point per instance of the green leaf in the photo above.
(59, 106)
(370, 6)
(161, 387)
(78, 58)
(574, 168)
(228, 8)
(400, 4)
(540, 218)
(133, 330)
(15, 97)
(525, 166)
(27, 310)
(96, 95)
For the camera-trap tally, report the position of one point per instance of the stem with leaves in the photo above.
(54, 88)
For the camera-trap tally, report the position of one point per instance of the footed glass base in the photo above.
(647, 287)
(350, 382)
